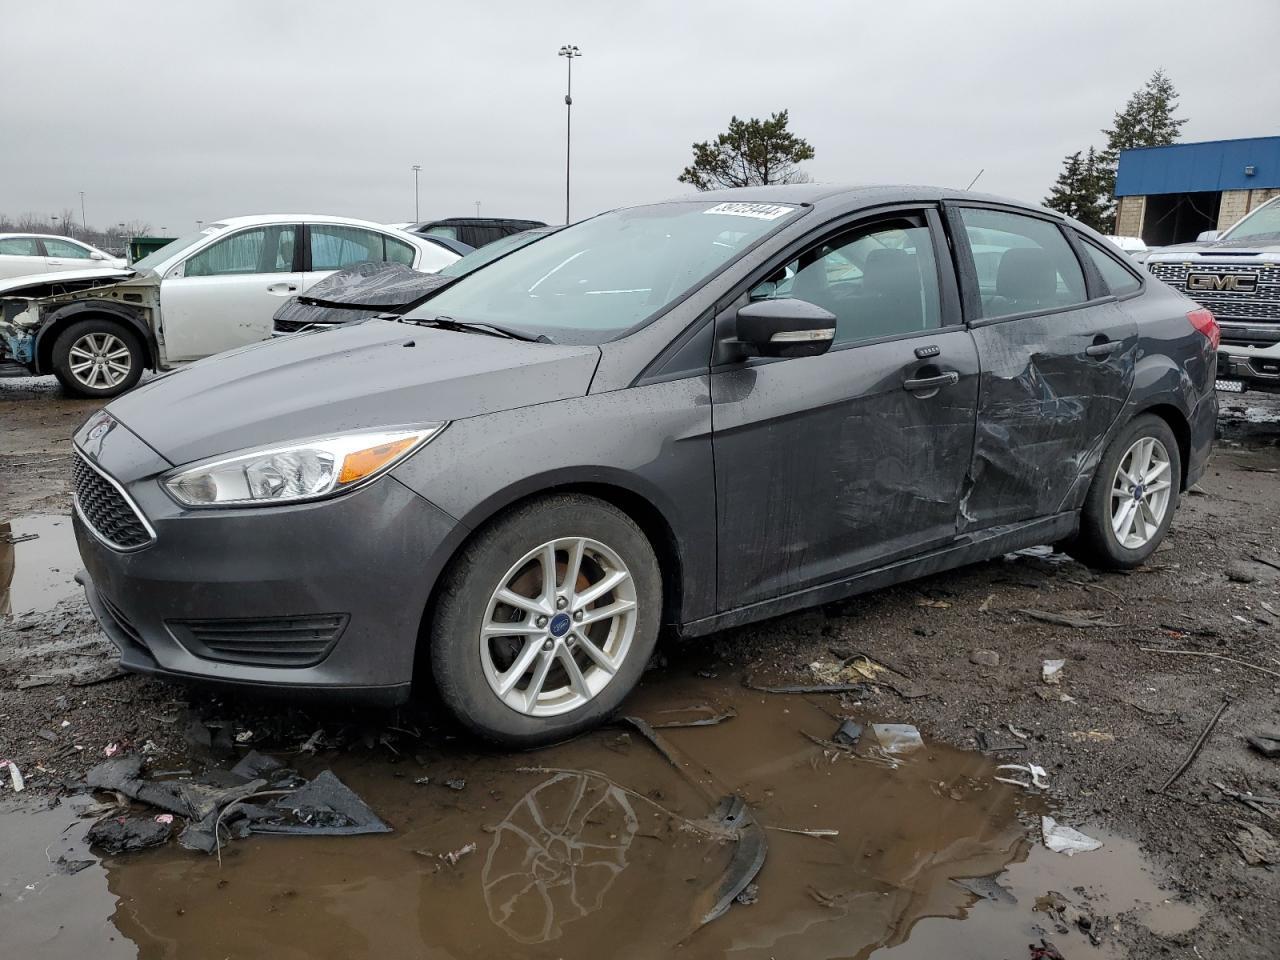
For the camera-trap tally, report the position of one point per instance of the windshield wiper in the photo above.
(471, 326)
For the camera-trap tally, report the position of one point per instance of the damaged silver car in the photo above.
(97, 329)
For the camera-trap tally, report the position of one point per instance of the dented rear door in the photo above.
(1057, 365)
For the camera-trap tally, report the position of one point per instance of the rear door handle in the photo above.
(1103, 349)
(282, 288)
(922, 384)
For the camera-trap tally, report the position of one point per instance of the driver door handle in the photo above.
(1103, 348)
(282, 288)
(921, 384)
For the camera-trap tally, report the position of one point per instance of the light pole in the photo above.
(568, 51)
(477, 209)
(417, 168)
(84, 224)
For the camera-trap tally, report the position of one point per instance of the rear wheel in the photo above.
(1133, 497)
(546, 620)
(97, 358)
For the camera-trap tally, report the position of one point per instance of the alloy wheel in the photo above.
(1140, 493)
(100, 360)
(558, 626)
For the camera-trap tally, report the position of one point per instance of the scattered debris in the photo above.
(15, 776)
(165, 818)
(1195, 748)
(937, 604)
(125, 834)
(815, 832)
(1257, 846)
(897, 738)
(1046, 951)
(985, 605)
(1083, 621)
(1038, 778)
(457, 783)
(111, 749)
(1064, 839)
(1215, 656)
(705, 716)
(859, 688)
(1020, 734)
(984, 658)
(453, 856)
(1051, 671)
(98, 674)
(244, 736)
(20, 537)
(1252, 801)
(1266, 742)
(749, 895)
(848, 733)
(421, 781)
(1237, 572)
(988, 888)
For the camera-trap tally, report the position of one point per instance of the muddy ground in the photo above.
(605, 830)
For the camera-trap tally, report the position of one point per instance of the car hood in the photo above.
(1250, 246)
(48, 284)
(371, 374)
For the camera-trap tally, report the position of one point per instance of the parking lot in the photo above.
(923, 853)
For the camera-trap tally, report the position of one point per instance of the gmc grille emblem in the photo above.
(1230, 282)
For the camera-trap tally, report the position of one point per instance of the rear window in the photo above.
(19, 247)
(1024, 263)
(1119, 279)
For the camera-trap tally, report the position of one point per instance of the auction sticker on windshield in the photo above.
(757, 211)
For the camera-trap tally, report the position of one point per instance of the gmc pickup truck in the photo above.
(1236, 275)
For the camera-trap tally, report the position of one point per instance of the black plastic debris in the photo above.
(861, 689)
(1266, 742)
(124, 834)
(848, 733)
(256, 766)
(324, 807)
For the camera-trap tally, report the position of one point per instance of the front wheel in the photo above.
(97, 358)
(546, 620)
(1134, 494)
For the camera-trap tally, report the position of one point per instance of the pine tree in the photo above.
(1076, 192)
(1147, 120)
(750, 153)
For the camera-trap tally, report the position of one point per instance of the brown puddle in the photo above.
(36, 571)
(600, 848)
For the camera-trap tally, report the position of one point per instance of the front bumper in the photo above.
(1252, 368)
(370, 557)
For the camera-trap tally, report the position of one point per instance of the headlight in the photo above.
(287, 473)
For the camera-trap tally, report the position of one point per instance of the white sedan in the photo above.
(24, 254)
(211, 291)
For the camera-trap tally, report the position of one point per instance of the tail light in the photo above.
(1204, 323)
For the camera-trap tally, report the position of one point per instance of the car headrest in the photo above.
(1026, 274)
(891, 272)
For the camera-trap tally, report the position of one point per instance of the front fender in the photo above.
(57, 320)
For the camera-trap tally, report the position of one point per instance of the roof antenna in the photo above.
(975, 178)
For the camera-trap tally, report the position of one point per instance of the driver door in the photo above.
(225, 295)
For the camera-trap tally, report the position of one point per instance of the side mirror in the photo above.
(1208, 236)
(785, 328)
(97, 255)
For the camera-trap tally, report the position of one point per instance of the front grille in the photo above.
(105, 509)
(1261, 303)
(276, 642)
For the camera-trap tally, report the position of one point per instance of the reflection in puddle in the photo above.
(38, 559)
(603, 849)
(556, 854)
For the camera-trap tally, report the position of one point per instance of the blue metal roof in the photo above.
(1211, 166)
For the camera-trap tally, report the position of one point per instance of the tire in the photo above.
(98, 358)
(1098, 543)
(470, 671)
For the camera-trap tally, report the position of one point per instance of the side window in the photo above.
(19, 247)
(399, 252)
(258, 250)
(335, 247)
(879, 279)
(62, 248)
(1118, 278)
(1024, 264)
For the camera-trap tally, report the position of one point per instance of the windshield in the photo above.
(1263, 222)
(491, 252)
(156, 257)
(590, 282)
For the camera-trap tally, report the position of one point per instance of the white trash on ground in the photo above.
(897, 737)
(1063, 839)
(1051, 672)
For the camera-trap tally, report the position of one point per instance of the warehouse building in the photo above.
(1172, 194)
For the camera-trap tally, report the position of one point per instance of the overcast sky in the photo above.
(171, 112)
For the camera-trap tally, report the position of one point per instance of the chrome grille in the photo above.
(1262, 303)
(105, 509)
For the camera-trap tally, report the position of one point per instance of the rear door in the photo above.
(832, 464)
(21, 257)
(224, 295)
(1057, 355)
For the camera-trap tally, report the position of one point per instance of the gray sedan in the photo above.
(683, 416)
